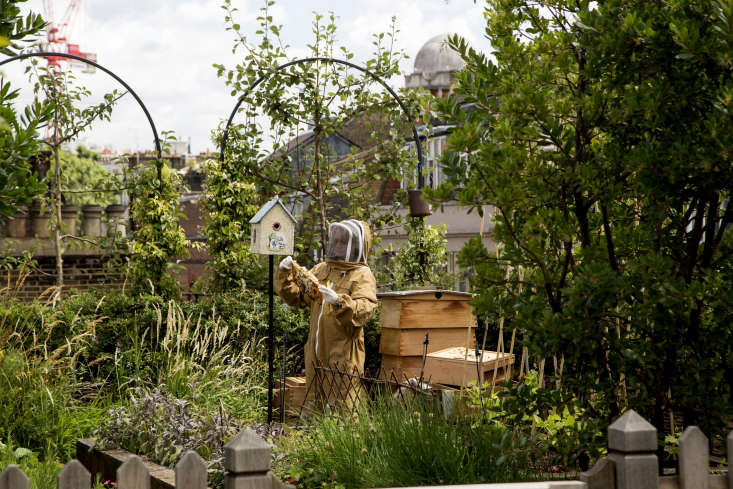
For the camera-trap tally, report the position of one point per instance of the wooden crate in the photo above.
(294, 395)
(452, 366)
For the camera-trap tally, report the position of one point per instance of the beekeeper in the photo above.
(349, 299)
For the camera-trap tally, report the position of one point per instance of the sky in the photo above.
(164, 49)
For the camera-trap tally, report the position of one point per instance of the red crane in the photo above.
(57, 32)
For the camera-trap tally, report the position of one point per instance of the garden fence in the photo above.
(631, 464)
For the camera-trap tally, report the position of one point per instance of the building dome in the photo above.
(435, 64)
(436, 57)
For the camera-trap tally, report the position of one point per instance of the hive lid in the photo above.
(437, 292)
(459, 353)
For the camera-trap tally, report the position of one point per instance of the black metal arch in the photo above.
(421, 181)
(110, 73)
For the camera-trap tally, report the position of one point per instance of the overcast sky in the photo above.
(164, 49)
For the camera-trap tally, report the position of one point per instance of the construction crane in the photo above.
(57, 36)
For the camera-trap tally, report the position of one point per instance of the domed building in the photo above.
(435, 66)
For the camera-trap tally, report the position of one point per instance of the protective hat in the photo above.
(346, 242)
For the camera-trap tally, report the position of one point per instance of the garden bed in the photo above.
(106, 463)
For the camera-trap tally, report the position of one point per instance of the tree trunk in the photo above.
(57, 227)
(319, 189)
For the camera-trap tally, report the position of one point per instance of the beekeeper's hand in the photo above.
(286, 263)
(328, 294)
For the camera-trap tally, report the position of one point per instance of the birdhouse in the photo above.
(273, 230)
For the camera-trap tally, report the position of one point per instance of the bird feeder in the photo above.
(273, 230)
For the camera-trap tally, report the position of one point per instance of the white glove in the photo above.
(286, 263)
(328, 294)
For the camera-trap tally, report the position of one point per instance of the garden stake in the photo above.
(282, 384)
(270, 346)
(424, 355)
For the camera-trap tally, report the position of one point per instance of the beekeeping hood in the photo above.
(347, 242)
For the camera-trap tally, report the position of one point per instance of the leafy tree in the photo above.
(308, 110)
(421, 261)
(600, 134)
(67, 121)
(18, 132)
(84, 181)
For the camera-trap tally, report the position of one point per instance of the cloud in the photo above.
(165, 50)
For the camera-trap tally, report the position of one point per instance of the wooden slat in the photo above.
(409, 342)
(191, 472)
(74, 476)
(694, 454)
(13, 478)
(389, 315)
(133, 474)
(402, 367)
(429, 314)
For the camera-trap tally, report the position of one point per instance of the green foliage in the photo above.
(41, 472)
(599, 135)
(36, 389)
(81, 171)
(391, 444)
(423, 260)
(310, 107)
(159, 239)
(18, 131)
(229, 202)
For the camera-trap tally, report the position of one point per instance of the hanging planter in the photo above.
(419, 207)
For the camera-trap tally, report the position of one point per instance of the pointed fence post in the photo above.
(191, 472)
(74, 476)
(694, 459)
(601, 476)
(632, 443)
(13, 478)
(133, 474)
(247, 462)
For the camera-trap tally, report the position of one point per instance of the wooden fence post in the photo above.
(632, 443)
(133, 474)
(74, 476)
(247, 462)
(694, 459)
(13, 478)
(191, 472)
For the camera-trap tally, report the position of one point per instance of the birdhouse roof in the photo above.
(267, 208)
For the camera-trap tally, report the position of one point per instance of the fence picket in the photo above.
(74, 476)
(694, 455)
(133, 474)
(191, 472)
(13, 478)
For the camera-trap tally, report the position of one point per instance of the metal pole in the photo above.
(271, 345)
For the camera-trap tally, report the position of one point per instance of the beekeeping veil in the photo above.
(346, 242)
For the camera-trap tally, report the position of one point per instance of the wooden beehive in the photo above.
(294, 395)
(455, 366)
(407, 316)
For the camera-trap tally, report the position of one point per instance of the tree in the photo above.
(67, 121)
(18, 133)
(600, 136)
(294, 138)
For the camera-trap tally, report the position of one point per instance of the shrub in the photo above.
(162, 427)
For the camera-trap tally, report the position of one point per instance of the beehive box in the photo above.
(406, 317)
(294, 395)
(455, 366)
